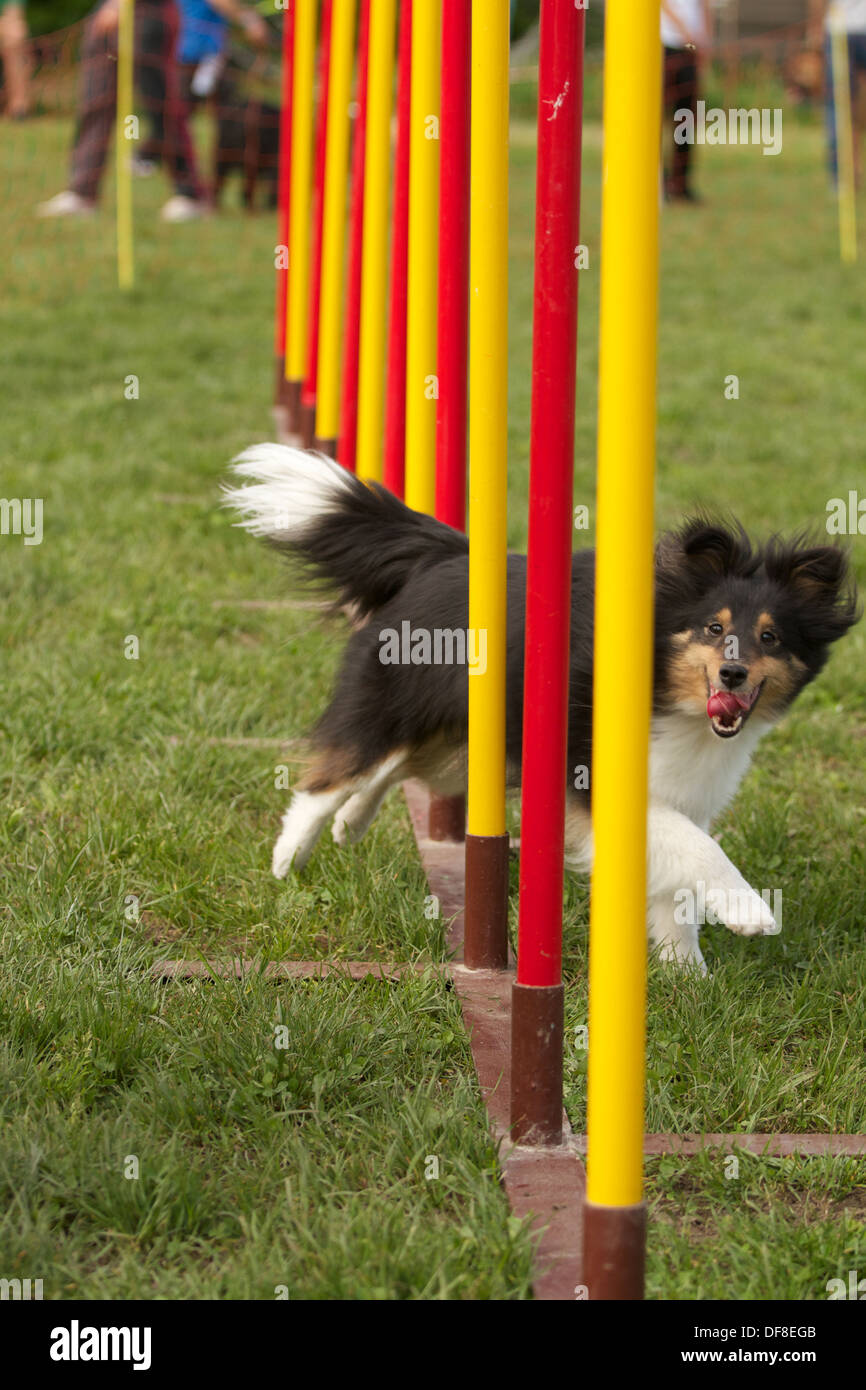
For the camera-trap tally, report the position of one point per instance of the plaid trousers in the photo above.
(856, 68)
(158, 83)
(680, 94)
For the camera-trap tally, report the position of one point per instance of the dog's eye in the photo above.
(715, 628)
(769, 638)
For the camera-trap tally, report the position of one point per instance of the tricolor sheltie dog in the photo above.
(739, 631)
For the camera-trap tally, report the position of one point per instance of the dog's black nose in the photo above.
(732, 675)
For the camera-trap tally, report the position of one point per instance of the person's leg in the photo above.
(830, 108)
(856, 67)
(179, 108)
(857, 52)
(223, 99)
(148, 76)
(16, 60)
(96, 106)
(668, 62)
(830, 99)
(857, 59)
(158, 80)
(684, 97)
(151, 149)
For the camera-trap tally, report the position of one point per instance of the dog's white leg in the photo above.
(578, 838)
(687, 866)
(677, 940)
(681, 857)
(308, 813)
(355, 816)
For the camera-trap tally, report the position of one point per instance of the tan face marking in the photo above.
(692, 666)
(724, 617)
(781, 677)
(766, 623)
(687, 678)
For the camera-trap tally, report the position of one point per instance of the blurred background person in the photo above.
(158, 81)
(16, 58)
(204, 32)
(849, 17)
(202, 53)
(685, 35)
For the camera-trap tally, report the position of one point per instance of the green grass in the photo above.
(126, 836)
(754, 1228)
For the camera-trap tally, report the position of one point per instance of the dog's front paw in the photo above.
(348, 826)
(289, 855)
(302, 823)
(745, 913)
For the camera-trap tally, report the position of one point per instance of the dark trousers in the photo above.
(224, 94)
(680, 94)
(156, 76)
(856, 64)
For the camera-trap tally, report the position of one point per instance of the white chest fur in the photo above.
(694, 771)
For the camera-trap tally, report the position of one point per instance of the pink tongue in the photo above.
(725, 702)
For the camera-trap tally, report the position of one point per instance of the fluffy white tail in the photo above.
(355, 539)
(290, 489)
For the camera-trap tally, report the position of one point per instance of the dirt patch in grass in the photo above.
(853, 1204)
(703, 1214)
(156, 928)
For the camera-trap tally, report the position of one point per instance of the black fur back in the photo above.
(369, 546)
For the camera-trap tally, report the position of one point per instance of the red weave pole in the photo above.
(348, 439)
(308, 391)
(285, 151)
(453, 263)
(548, 589)
(394, 463)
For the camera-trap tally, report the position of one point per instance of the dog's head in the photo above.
(741, 630)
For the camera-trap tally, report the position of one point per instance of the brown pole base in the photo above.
(281, 386)
(308, 423)
(537, 1014)
(293, 405)
(328, 447)
(280, 417)
(280, 411)
(614, 1251)
(486, 916)
(447, 818)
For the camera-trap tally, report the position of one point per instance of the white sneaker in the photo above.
(183, 209)
(66, 204)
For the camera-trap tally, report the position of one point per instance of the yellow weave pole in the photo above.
(122, 143)
(486, 839)
(300, 193)
(374, 247)
(488, 415)
(622, 692)
(844, 145)
(334, 226)
(421, 320)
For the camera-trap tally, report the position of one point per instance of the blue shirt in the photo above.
(202, 31)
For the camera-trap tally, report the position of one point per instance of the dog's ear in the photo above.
(819, 578)
(811, 571)
(702, 552)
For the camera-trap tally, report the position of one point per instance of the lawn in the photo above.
(158, 1143)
